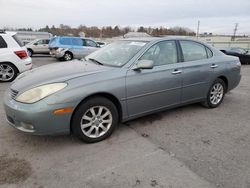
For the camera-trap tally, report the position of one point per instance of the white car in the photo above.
(38, 46)
(14, 58)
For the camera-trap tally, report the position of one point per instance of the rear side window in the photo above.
(65, 41)
(3, 44)
(19, 42)
(77, 42)
(193, 51)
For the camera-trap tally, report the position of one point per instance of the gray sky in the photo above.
(215, 16)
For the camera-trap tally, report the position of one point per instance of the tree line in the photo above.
(109, 31)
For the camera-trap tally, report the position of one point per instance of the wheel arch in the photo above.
(106, 95)
(225, 80)
(68, 51)
(11, 64)
(30, 50)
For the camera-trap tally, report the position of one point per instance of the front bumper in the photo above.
(36, 118)
(57, 54)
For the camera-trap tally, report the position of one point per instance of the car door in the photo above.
(157, 88)
(41, 46)
(77, 48)
(91, 46)
(197, 67)
(45, 47)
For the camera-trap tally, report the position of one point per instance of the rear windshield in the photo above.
(52, 41)
(18, 40)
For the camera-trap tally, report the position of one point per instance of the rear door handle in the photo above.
(177, 72)
(214, 66)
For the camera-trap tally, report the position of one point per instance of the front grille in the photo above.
(13, 93)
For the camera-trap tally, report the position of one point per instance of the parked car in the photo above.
(68, 48)
(38, 46)
(242, 53)
(13, 57)
(101, 44)
(122, 81)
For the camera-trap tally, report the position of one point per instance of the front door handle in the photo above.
(214, 66)
(177, 72)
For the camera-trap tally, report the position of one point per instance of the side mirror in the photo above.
(143, 64)
(35, 43)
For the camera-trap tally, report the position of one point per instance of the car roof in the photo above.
(149, 39)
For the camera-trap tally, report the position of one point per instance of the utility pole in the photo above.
(235, 30)
(198, 29)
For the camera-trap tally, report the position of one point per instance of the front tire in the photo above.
(94, 120)
(68, 56)
(215, 94)
(8, 72)
(30, 52)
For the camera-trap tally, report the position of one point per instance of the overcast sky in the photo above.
(215, 16)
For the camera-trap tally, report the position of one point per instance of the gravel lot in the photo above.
(189, 146)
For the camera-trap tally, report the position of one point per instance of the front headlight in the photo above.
(35, 94)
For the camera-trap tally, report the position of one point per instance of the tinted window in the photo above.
(47, 41)
(193, 51)
(65, 41)
(90, 43)
(2, 43)
(19, 42)
(77, 42)
(162, 53)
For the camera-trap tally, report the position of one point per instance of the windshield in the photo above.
(117, 53)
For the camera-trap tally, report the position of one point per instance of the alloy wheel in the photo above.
(67, 56)
(96, 121)
(6, 72)
(216, 93)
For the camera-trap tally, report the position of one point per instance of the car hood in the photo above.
(56, 72)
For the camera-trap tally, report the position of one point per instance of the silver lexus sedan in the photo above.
(124, 80)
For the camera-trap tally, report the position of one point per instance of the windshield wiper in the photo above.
(96, 61)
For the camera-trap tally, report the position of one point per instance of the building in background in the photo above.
(225, 41)
(28, 36)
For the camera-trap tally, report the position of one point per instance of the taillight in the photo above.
(21, 54)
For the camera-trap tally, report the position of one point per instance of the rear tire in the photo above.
(8, 72)
(94, 120)
(215, 94)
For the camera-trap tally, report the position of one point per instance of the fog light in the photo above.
(27, 126)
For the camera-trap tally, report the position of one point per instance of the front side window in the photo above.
(77, 42)
(40, 42)
(193, 51)
(90, 43)
(162, 53)
(3, 44)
